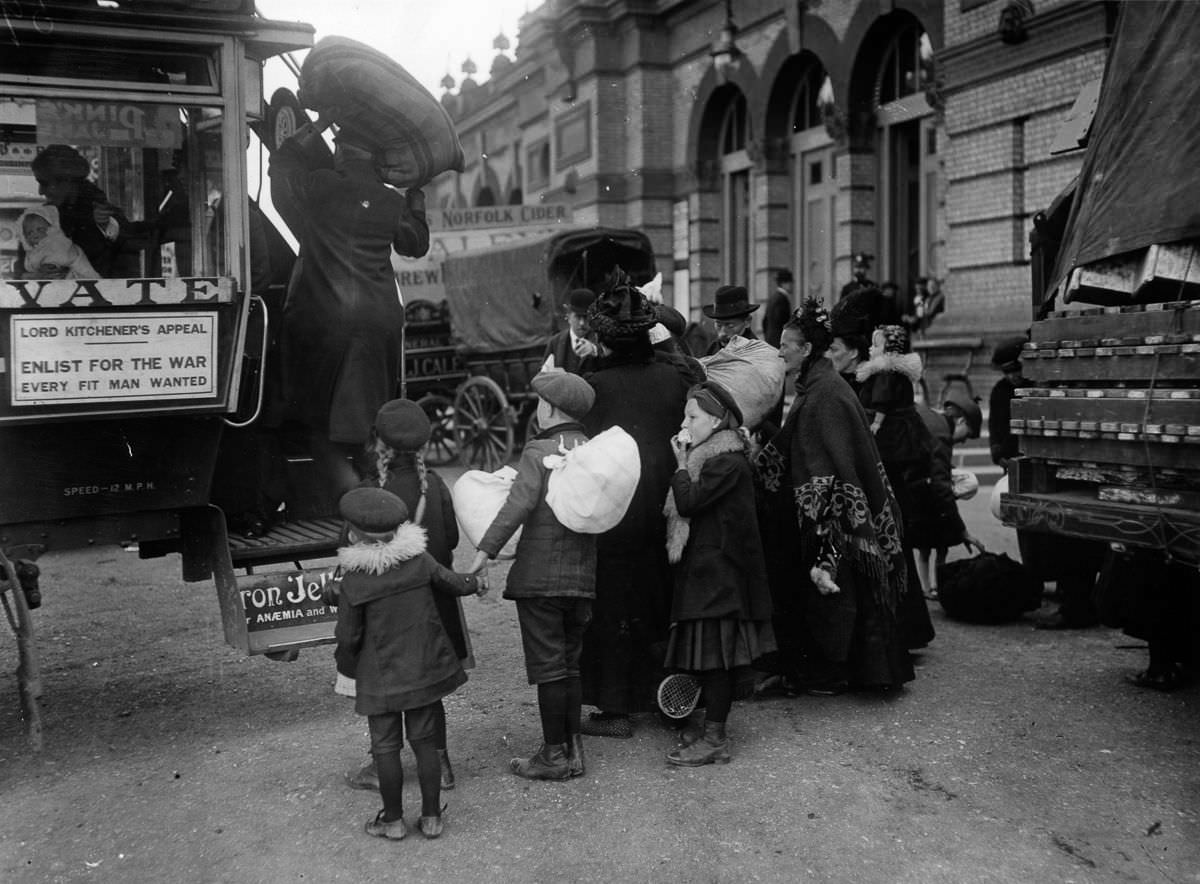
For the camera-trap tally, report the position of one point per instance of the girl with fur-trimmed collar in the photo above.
(390, 636)
(906, 449)
(888, 377)
(721, 607)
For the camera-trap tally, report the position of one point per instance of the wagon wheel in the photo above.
(483, 424)
(443, 448)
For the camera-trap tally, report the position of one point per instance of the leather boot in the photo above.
(689, 734)
(447, 770)
(711, 748)
(548, 763)
(575, 762)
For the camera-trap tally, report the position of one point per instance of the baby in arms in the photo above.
(49, 253)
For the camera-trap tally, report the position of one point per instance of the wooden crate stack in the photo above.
(1110, 428)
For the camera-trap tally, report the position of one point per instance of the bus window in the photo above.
(138, 187)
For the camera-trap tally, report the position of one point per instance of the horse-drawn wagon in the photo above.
(469, 361)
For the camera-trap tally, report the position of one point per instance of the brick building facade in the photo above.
(917, 131)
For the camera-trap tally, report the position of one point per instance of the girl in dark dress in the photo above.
(721, 609)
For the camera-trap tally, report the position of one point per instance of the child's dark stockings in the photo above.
(718, 694)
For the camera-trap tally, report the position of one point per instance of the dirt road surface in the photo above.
(1016, 756)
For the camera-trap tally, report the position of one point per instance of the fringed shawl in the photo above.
(826, 455)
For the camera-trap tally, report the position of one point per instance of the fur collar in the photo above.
(720, 442)
(679, 527)
(907, 364)
(376, 558)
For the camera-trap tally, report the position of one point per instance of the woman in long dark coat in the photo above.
(343, 320)
(832, 532)
(624, 646)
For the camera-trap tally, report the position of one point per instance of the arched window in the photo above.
(814, 188)
(907, 64)
(735, 175)
(486, 197)
(910, 165)
(806, 108)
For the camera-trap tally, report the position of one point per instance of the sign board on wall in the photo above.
(72, 358)
(458, 230)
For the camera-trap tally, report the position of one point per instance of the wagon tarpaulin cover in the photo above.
(510, 296)
(1138, 185)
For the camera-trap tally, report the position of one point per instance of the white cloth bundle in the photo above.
(592, 484)
(478, 497)
(752, 372)
(965, 483)
(1000, 488)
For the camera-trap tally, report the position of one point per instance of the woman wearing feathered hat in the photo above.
(624, 645)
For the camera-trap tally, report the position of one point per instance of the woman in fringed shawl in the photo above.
(832, 531)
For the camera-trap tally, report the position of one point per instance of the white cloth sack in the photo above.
(965, 483)
(752, 372)
(592, 484)
(344, 686)
(1001, 488)
(478, 497)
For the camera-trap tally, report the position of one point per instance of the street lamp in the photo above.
(725, 53)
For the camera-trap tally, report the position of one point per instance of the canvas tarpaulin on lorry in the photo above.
(1140, 182)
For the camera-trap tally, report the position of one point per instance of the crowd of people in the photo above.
(769, 559)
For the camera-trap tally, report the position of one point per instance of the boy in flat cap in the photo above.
(390, 636)
(553, 578)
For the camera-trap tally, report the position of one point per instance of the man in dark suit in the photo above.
(730, 313)
(779, 308)
(573, 348)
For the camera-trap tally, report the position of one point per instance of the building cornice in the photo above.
(1058, 33)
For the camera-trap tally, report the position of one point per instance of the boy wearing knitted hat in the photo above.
(552, 580)
(389, 635)
(395, 454)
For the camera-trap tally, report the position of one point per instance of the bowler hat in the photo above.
(372, 510)
(402, 424)
(1007, 355)
(730, 302)
(578, 301)
(967, 404)
(567, 392)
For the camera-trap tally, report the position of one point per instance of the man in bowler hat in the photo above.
(574, 348)
(730, 312)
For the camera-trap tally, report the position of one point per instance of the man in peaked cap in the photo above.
(861, 268)
(730, 312)
(574, 348)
